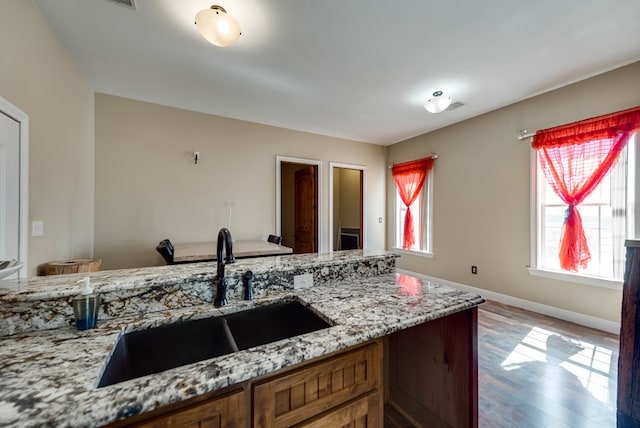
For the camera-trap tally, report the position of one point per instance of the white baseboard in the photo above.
(563, 314)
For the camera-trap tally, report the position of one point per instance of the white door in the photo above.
(9, 188)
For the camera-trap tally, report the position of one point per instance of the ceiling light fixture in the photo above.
(217, 26)
(438, 103)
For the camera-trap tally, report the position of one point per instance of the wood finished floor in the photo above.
(540, 372)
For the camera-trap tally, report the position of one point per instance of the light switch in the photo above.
(37, 228)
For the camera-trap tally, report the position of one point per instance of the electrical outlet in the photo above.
(302, 281)
(474, 270)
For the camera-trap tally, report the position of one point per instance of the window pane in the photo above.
(553, 218)
(602, 193)
(596, 221)
(420, 214)
(597, 224)
(548, 195)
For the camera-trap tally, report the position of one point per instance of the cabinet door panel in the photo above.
(226, 411)
(363, 412)
(309, 391)
(433, 371)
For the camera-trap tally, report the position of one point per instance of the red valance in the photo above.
(596, 128)
(419, 165)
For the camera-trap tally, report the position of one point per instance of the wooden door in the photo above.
(305, 213)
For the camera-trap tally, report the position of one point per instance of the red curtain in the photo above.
(409, 178)
(575, 158)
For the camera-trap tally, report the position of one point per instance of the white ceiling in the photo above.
(354, 69)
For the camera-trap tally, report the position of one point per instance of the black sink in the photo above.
(161, 348)
(272, 323)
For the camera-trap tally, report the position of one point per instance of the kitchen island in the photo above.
(49, 372)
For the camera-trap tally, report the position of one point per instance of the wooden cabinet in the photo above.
(629, 358)
(343, 387)
(301, 395)
(430, 376)
(433, 372)
(225, 411)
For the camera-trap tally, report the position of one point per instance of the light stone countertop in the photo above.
(49, 377)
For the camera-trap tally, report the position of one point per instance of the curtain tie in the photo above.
(568, 211)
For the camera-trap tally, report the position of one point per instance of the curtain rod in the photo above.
(431, 156)
(523, 134)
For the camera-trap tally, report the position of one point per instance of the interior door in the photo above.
(9, 188)
(347, 208)
(305, 217)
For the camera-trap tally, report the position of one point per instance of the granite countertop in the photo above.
(139, 278)
(49, 377)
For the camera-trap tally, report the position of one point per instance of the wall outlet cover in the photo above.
(302, 281)
(37, 228)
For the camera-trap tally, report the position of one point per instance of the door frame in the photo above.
(319, 207)
(22, 118)
(363, 186)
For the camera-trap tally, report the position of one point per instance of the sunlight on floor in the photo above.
(591, 364)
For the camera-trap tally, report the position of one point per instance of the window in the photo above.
(608, 218)
(421, 211)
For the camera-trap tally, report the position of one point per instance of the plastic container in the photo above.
(86, 306)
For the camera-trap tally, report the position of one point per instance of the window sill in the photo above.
(413, 252)
(579, 279)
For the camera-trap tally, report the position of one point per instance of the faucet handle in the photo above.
(248, 285)
(221, 293)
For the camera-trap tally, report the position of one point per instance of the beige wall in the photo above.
(38, 77)
(481, 194)
(148, 188)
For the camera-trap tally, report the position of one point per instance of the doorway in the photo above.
(298, 204)
(14, 173)
(347, 206)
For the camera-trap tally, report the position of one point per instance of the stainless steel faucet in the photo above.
(224, 239)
